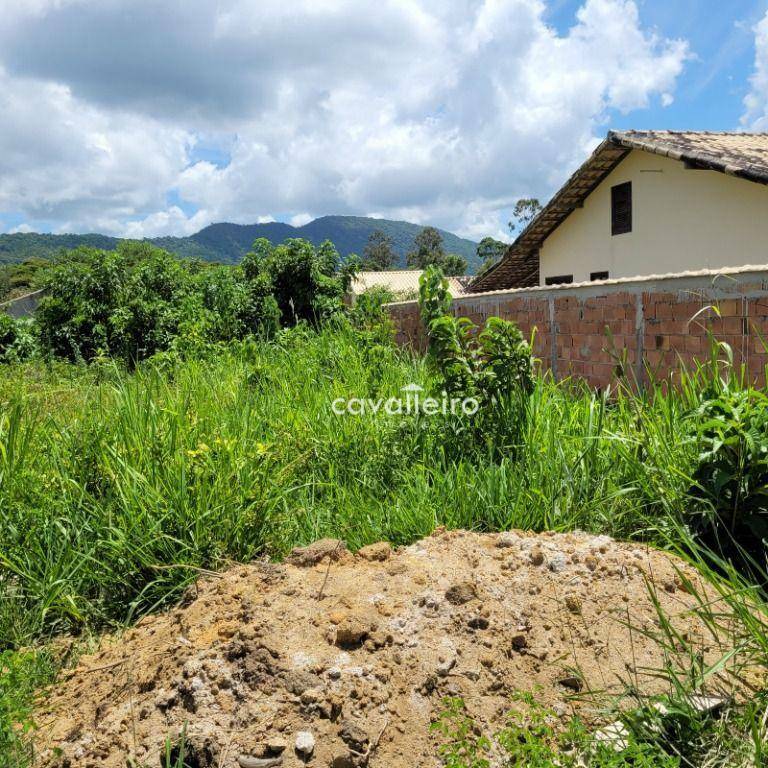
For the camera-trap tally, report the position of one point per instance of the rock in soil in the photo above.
(335, 659)
(305, 744)
(317, 552)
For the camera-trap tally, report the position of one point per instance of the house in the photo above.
(647, 203)
(403, 283)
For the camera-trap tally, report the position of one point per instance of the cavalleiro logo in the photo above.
(410, 403)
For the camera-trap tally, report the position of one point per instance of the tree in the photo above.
(138, 300)
(5, 281)
(378, 254)
(489, 251)
(453, 264)
(308, 283)
(427, 249)
(129, 303)
(526, 208)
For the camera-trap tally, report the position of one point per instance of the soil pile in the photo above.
(342, 660)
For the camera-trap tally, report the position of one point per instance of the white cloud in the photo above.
(433, 111)
(172, 221)
(300, 219)
(755, 117)
(509, 112)
(20, 229)
(62, 159)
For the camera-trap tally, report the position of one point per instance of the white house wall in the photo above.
(681, 220)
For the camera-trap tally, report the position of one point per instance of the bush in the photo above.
(18, 339)
(730, 428)
(493, 366)
(7, 333)
(490, 365)
(308, 283)
(139, 300)
(235, 307)
(126, 303)
(371, 320)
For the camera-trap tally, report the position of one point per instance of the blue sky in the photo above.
(710, 92)
(147, 117)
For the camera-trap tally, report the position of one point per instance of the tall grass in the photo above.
(111, 482)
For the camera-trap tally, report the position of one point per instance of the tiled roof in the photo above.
(402, 281)
(737, 154)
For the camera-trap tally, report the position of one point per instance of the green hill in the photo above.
(28, 245)
(229, 242)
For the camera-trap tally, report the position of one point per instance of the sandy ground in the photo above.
(348, 657)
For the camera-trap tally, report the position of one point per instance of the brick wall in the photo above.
(635, 328)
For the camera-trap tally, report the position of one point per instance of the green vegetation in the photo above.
(525, 211)
(672, 730)
(22, 246)
(489, 251)
(429, 251)
(108, 475)
(18, 339)
(169, 425)
(228, 243)
(378, 254)
(349, 234)
(491, 366)
(532, 740)
(21, 673)
(138, 300)
(18, 279)
(732, 473)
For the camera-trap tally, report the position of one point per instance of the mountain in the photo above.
(348, 233)
(228, 243)
(27, 245)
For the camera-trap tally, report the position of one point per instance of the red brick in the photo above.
(729, 307)
(693, 343)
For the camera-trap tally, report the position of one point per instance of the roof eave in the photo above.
(560, 206)
(701, 159)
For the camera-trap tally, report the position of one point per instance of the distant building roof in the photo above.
(737, 154)
(402, 281)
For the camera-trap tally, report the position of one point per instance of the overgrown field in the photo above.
(108, 478)
(116, 487)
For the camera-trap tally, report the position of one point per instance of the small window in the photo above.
(621, 208)
(559, 280)
(598, 275)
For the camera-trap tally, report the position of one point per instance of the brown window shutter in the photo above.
(621, 208)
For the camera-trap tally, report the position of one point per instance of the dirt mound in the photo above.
(342, 660)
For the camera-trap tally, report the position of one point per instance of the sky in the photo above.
(141, 118)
